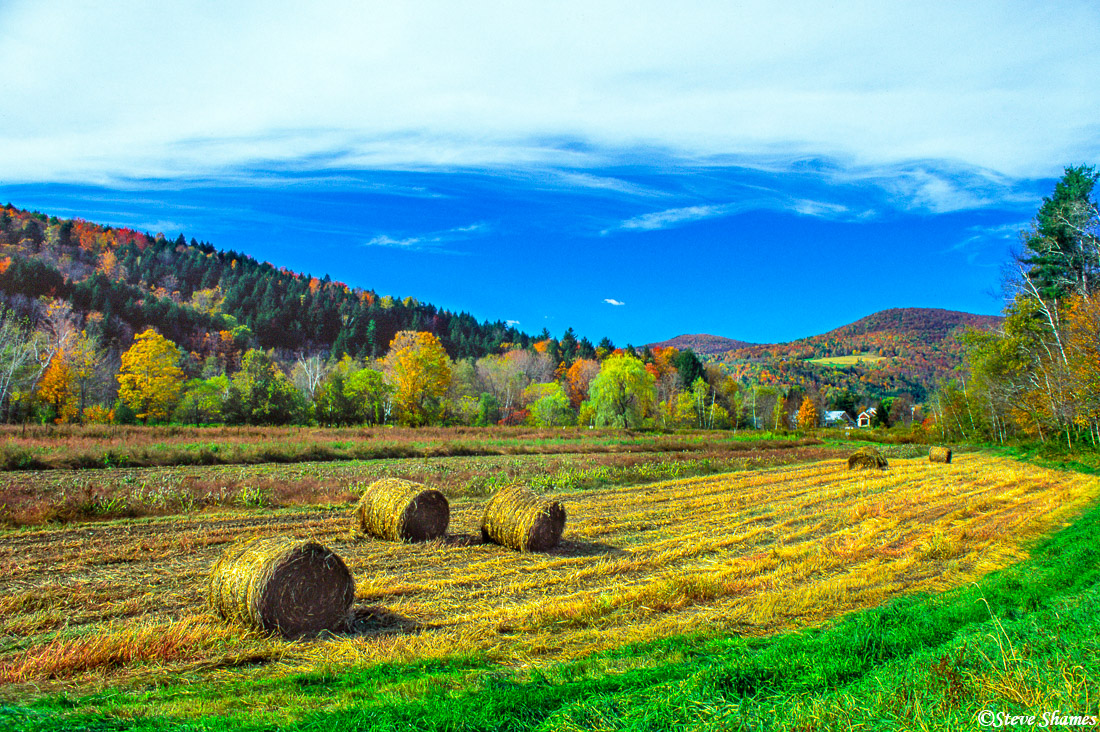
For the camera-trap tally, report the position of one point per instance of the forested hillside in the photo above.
(901, 351)
(199, 297)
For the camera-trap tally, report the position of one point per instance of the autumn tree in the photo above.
(150, 380)
(1033, 377)
(352, 394)
(419, 370)
(506, 376)
(808, 417)
(56, 393)
(85, 359)
(578, 378)
(780, 416)
(621, 392)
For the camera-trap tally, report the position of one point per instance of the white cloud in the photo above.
(613, 301)
(673, 217)
(384, 240)
(763, 200)
(431, 240)
(511, 322)
(439, 84)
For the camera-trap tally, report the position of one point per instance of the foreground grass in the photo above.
(454, 634)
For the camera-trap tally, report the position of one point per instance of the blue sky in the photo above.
(636, 170)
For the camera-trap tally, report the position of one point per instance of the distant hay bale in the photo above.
(400, 510)
(939, 455)
(284, 585)
(519, 519)
(867, 457)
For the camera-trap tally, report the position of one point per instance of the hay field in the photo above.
(749, 553)
(867, 360)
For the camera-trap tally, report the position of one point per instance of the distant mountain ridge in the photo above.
(928, 325)
(702, 344)
(913, 349)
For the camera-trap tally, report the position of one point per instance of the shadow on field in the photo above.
(374, 620)
(569, 548)
(462, 539)
(565, 548)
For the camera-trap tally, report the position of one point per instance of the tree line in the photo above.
(58, 373)
(1038, 376)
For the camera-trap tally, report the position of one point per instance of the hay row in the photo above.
(515, 517)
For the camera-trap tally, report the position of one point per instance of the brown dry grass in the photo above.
(29, 498)
(749, 553)
(106, 446)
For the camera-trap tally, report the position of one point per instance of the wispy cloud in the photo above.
(512, 322)
(674, 217)
(988, 242)
(613, 301)
(763, 199)
(433, 241)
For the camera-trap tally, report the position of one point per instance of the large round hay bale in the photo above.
(939, 455)
(400, 510)
(867, 457)
(278, 584)
(519, 519)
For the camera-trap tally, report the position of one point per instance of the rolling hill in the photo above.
(702, 344)
(891, 352)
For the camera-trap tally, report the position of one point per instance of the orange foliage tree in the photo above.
(55, 389)
(807, 414)
(578, 378)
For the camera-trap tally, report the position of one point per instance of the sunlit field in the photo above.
(850, 360)
(120, 604)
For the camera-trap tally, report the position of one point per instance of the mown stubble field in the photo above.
(120, 604)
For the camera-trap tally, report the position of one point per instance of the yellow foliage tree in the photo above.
(419, 370)
(807, 414)
(150, 380)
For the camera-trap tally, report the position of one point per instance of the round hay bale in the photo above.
(283, 585)
(400, 510)
(867, 458)
(939, 455)
(519, 519)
